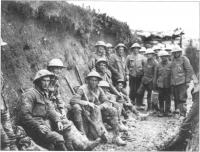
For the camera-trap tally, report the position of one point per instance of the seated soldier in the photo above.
(112, 103)
(37, 114)
(127, 105)
(89, 97)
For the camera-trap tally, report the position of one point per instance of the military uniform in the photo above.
(162, 83)
(181, 73)
(147, 80)
(134, 66)
(116, 65)
(37, 110)
(8, 138)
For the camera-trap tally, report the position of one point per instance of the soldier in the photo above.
(156, 49)
(93, 96)
(37, 114)
(106, 75)
(100, 52)
(127, 105)
(134, 66)
(162, 82)
(147, 79)
(168, 48)
(8, 138)
(142, 51)
(117, 63)
(180, 79)
(55, 66)
(109, 50)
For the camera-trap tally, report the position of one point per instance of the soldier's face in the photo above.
(135, 50)
(93, 82)
(149, 56)
(177, 54)
(56, 70)
(102, 67)
(101, 50)
(164, 58)
(109, 50)
(45, 82)
(120, 86)
(121, 51)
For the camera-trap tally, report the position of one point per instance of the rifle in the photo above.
(70, 87)
(78, 75)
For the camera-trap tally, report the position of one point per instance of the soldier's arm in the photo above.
(126, 66)
(77, 98)
(25, 113)
(188, 69)
(52, 114)
(155, 76)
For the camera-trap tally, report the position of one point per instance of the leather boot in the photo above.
(92, 144)
(117, 140)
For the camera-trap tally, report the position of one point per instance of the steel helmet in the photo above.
(56, 63)
(109, 45)
(93, 73)
(156, 47)
(168, 47)
(3, 43)
(42, 73)
(103, 84)
(103, 59)
(163, 53)
(120, 44)
(143, 49)
(135, 45)
(100, 43)
(149, 51)
(176, 49)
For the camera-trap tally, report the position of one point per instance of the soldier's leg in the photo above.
(5, 143)
(149, 91)
(176, 100)
(168, 100)
(77, 116)
(132, 90)
(139, 97)
(161, 94)
(182, 96)
(6, 123)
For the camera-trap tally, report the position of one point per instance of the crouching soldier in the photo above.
(180, 79)
(147, 79)
(127, 105)
(162, 83)
(90, 96)
(8, 138)
(37, 114)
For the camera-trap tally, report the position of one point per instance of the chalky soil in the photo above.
(145, 135)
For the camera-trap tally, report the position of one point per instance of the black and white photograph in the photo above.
(101, 75)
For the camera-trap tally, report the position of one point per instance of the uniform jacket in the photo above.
(135, 67)
(55, 95)
(117, 66)
(85, 93)
(149, 68)
(181, 71)
(35, 109)
(163, 75)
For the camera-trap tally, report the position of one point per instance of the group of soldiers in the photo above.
(102, 101)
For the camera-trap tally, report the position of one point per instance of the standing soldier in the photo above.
(162, 83)
(92, 95)
(134, 66)
(147, 79)
(180, 79)
(117, 63)
(168, 48)
(8, 138)
(142, 51)
(55, 66)
(100, 52)
(156, 49)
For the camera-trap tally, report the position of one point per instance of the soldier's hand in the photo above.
(60, 126)
(44, 129)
